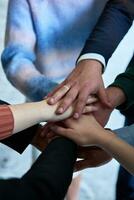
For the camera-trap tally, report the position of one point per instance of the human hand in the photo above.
(91, 157)
(116, 98)
(39, 142)
(85, 80)
(48, 111)
(83, 131)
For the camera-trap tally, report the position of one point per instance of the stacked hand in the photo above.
(82, 86)
(85, 80)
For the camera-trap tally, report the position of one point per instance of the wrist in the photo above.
(116, 96)
(44, 110)
(106, 140)
(94, 64)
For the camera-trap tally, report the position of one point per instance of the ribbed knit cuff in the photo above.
(6, 122)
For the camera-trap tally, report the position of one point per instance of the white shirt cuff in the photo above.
(93, 56)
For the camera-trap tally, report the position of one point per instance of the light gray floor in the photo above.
(97, 183)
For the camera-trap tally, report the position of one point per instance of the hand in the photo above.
(102, 114)
(84, 131)
(52, 117)
(39, 142)
(116, 98)
(48, 111)
(91, 157)
(85, 80)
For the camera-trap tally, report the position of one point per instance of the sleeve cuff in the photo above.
(93, 56)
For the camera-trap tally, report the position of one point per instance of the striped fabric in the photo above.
(6, 122)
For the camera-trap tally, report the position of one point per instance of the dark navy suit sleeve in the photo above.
(21, 140)
(113, 24)
(49, 177)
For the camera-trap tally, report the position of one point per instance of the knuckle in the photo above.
(86, 84)
(81, 101)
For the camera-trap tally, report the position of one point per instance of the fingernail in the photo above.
(76, 115)
(60, 110)
(51, 100)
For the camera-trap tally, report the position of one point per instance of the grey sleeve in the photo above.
(126, 134)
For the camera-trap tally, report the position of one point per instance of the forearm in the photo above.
(26, 115)
(117, 148)
(19, 57)
(53, 170)
(29, 114)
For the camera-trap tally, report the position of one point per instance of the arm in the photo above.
(15, 118)
(53, 170)
(18, 58)
(120, 150)
(48, 178)
(125, 82)
(113, 24)
(115, 20)
(87, 132)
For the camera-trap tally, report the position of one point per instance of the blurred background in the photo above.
(97, 183)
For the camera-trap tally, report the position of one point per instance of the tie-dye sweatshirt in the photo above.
(44, 39)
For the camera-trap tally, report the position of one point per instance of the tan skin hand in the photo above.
(116, 98)
(85, 80)
(90, 156)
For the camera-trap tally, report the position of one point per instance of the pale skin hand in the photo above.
(85, 80)
(28, 114)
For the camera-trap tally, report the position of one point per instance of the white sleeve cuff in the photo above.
(93, 56)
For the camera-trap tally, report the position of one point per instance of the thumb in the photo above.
(102, 94)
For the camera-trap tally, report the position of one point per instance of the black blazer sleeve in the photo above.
(21, 140)
(49, 177)
(51, 174)
(113, 24)
(125, 81)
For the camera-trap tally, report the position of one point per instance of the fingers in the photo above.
(89, 109)
(91, 99)
(67, 100)
(81, 101)
(58, 93)
(81, 164)
(50, 94)
(103, 97)
(61, 131)
(45, 129)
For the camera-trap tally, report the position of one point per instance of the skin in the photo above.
(85, 79)
(87, 132)
(116, 98)
(29, 114)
